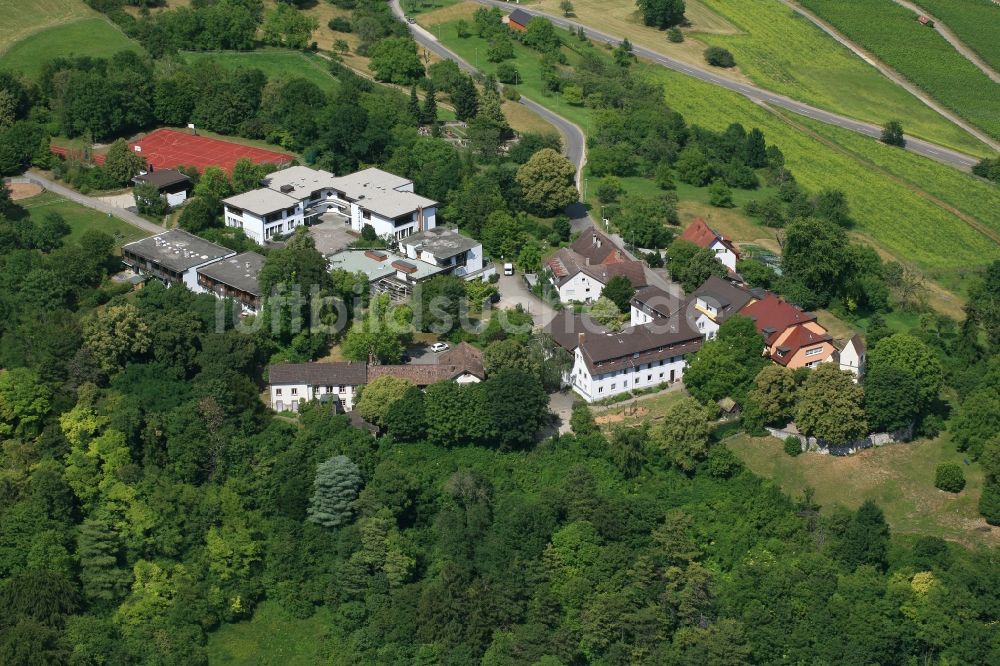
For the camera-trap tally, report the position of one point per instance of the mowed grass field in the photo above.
(277, 64)
(20, 18)
(898, 477)
(80, 218)
(271, 638)
(976, 22)
(95, 37)
(769, 41)
(890, 214)
(919, 53)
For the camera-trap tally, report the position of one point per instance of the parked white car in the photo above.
(508, 269)
(438, 347)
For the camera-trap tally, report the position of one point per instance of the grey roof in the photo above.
(441, 242)
(302, 180)
(177, 250)
(162, 178)
(262, 201)
(344, 373)
(379, 192)
(656, 300)
(367, 262)
(463, 355)
(726, 297)
(606, 352)
(566, 263)
(239, 272)
(594, 245)
(521, 17)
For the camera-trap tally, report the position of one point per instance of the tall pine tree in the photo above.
(99, 549)
(428, 115)
(414, 105)
(335, 489)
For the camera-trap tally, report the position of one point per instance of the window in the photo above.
(295, 391)
(649, 378)
(612, 387)
(661, 375)
(814, 351)
(329, 389)
(277, 391)
(624, 383)
(340, 389)
(279, 406)
(600, 389)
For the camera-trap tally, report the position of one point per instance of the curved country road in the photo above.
(927, 149)
(96, 204)
(574, 142)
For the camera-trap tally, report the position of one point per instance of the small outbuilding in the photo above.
(173, 185)
(518, 20)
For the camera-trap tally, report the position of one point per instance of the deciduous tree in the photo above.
(830, 406)
(380, 397)
(546, 181)
(684, 433)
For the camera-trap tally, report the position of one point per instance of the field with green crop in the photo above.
(95, 37)
(919, 53)
(80, 218)
(976, 22)
(276, 63)
(892, 214)
(20, 18)
(771, 51)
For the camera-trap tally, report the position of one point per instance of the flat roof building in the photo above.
(236, 278)
(173, 256)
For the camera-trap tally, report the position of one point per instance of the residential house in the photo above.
(703, 236)
(294, 384)
(652, 304)
(173, 256)
(596, 248)
(577, 280)
(607, 364)
(793, 338)
(518, 20)
(235, 278)
(449, 250)
(852, 357)
(299, 195)
(172, 185)
(716, 300)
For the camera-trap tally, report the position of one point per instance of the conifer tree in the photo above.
(335, 489)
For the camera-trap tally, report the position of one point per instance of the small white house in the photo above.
(852, 357)
(579, 281)
(715, 301)
(704, 236)
(172, 185)
(458, 255)
(173, 256)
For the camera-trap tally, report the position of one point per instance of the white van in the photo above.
(508, 269)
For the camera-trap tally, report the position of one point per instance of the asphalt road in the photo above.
(925, 148)
(96, 204)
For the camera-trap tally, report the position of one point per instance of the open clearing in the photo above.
(976, 22)
(80, 218)
(276, 63)
(898, 477)
(285, 640)
(21, 18)
(94, 37)
(919, 53)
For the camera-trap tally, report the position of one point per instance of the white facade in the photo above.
(580, 288)
(724, 254)
(708, 315)
(637, 316)
(291, 397)
(852, 358)
(176, 198)
(645, 375)
(261, 227)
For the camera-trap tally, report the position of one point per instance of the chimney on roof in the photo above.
(580, 339)
(586, 261)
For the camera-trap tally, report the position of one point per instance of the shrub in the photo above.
(511, 93)
(716, 56)
(989, 503)
(675, 35)
(609, 189)
(339, 24)
(949, 477)
(507, 73)
(793, 446)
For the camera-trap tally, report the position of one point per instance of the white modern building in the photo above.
(173, 256)
(449, 250)
(639, 357)
(299, 195)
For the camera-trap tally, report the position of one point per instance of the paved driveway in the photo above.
(514, 292)
(332, 234)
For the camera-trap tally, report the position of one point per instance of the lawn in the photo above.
(974, 21)
(636, 411)
(271, 638)
(898, 477)
(80, 218)
(414, 7)
(889, 213)
(24, 17)
(922, 55)
(768, 40)
(276, 63)
(94, 37)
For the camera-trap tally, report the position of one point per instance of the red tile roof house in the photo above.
(793, 338)
(518, 20)
(578, 280)
(704, 236)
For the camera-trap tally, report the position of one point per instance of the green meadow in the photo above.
(80, 218)
(89, 37)
(275, 63)
(976, 22)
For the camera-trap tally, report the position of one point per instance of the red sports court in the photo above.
(168, 149)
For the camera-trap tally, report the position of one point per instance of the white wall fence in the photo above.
(813, 445)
